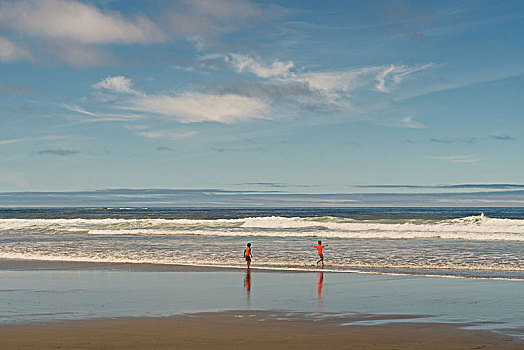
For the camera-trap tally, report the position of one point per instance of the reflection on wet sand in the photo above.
(319, 288)
(247, 286)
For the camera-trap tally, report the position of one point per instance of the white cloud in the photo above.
(243, 63)
(166, 134)
(10, 52)
(198, 107)
(118, 84)
(337, 83)
(75, 21)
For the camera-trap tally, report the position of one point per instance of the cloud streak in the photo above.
(450, 187)
(457, 159)
(25, 139)
(502, 137)
(167, 135)
(59, 152)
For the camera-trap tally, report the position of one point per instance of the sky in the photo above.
(304, 99)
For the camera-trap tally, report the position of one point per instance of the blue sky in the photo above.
(303, 97)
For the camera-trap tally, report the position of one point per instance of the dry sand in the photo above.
(246, 330)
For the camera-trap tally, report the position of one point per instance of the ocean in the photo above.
(485, 243)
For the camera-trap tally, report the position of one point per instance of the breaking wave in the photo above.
(475, 228)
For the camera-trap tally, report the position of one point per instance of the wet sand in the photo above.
(246, 329)
(15, 264)
(53, 304)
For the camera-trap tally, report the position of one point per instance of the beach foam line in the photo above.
(446, 273)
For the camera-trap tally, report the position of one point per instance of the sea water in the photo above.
(453, 242)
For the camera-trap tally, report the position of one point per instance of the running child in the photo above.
(319, 249)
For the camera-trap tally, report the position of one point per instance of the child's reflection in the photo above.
(247, 281)
(247, 286)
(319, 287)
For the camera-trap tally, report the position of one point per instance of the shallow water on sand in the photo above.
(44, 295)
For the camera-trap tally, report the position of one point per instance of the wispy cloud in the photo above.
(438, 85)
(281, 91)
(459, 186)
(78, 109)
(395, 75)
(41, 138)
(502, 137)
(266, 184)
(331, 84)
(466, 140)
(276, 185)
(243, 63)
(457, 159)
(10, 52)
(197, 107)
(225, 149)
(59, 152)
(188, 107)
(406, 122)
(168, 135)
(101, 117)
(351, 91)
(118, 83)
(76, 21)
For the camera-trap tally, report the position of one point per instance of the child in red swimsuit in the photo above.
(248, 255)
(319, 249)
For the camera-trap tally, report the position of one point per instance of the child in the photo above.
(248, 255)
(319, 249)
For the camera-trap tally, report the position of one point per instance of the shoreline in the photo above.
(251, 328)
(40, 264)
